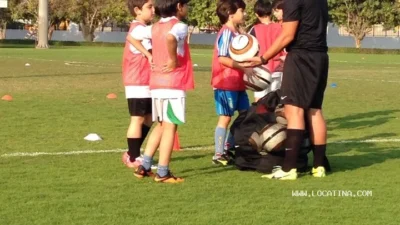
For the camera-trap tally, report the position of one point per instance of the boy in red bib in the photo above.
(170, 78)
(266, 32)
(277, 7)
(227, 75)
(136, 77)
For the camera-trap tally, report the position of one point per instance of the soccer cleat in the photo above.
(219, 159)
(279, 174)
(141, 172)
(318, 172)
(126, 160)
(169, 178)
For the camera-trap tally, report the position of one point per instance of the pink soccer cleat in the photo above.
(126, 160)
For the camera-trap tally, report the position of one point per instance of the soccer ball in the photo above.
(243, 46)
(260, 81)
(255, 141)
(272, 137)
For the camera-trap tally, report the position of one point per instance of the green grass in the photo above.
(57, 104)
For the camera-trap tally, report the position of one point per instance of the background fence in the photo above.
(337, 37)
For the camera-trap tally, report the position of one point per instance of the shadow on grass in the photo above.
(194, 156)
(362, 120)
(359, 152)
(212, 169)
(350, 155)
(365, 155)
(204, 156)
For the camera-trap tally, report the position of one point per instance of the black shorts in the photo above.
(305, 76)
(139, 106)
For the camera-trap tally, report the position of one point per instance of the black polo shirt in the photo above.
(313, 20)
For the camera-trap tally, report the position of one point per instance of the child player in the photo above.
(171, 77)
(266, 32)
(227, 75)
(136, 77)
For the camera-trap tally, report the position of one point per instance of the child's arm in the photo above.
(178, 34)
(172, 63)
(139, 46)
(135, 39)
(228, 62)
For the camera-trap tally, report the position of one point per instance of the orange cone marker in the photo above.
(177, 145)
(111, 96)
(8, 98)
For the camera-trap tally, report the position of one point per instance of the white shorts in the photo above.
(171, 110)
(276, 82)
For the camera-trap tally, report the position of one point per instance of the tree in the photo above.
(203, 14)
(24, 9)
(87, 12)
(117, 11)
(43, 14)
(250, 15)
(58, 11)
(358, 16)
(92, 13)
(5, 17)
(28, 10)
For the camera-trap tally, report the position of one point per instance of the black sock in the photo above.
(294, 139)
(134, 148)
(319, 155)
(145, 131)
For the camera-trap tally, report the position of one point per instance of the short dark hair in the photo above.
(168, 8)
(228, 7)
(263, 8)
(132, 4)
(277, 4)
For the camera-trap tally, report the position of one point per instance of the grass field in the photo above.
(61, 97)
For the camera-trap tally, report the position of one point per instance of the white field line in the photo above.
(390, 140)
(365, 62)
(369, 80)
(35, 154)
(66, 62)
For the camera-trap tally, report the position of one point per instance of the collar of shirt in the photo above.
(166, 19)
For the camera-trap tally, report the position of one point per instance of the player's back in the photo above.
(313, 20)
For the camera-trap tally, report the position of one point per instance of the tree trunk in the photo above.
(50, 32)
(190, 34)
(3, 30)
(43, 25)
(87, 32)
(358, 42)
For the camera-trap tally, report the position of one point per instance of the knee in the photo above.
(223, 121)
(293, 112)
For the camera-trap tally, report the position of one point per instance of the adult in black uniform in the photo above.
(304, 31)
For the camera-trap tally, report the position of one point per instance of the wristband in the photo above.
(263, 61)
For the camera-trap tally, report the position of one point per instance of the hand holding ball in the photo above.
(243, 47)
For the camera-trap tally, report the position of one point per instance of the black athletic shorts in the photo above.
(305, 76)
(139, 106)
